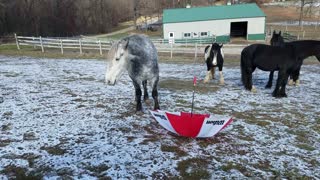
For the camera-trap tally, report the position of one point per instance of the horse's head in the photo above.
(318, 57)
(277, 39)
(215, 52)
(117, 61)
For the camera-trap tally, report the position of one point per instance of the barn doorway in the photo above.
(239, 30)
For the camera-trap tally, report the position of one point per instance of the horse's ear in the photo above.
(125, 44)
(280, 33)
(221, 45)
(274, 31)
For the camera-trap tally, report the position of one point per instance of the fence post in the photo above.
(17, 41)
(304, 32)
(41, 43)
(34, 46)
(100, 47)
(171, 50)
(61, 45)
(80, 46)
(196, 52)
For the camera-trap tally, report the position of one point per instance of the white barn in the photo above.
(223, 22)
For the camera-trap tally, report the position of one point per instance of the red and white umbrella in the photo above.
(190, 124)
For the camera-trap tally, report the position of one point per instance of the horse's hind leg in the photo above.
(145, 90)
(247, 79)
(154, 85)
(294, 77)
(269, 84)
(246, 72)
(208, 76)
(138, 95)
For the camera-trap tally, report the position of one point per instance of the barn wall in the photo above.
(256, 27)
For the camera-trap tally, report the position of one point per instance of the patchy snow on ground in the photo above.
(59, 119)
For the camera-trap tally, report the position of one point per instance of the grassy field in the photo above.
(60, 120)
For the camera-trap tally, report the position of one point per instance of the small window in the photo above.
(195, 34)
(171, 35)
(204, 34)
(186, 35)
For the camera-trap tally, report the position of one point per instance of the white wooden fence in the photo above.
(103, 46)
(62, 44)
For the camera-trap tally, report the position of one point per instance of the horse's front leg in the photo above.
(221, 81)
(283, 85)
(213, 71)
(138, 95)
(281, 76)
(145, 90)
(269, 84)
(209, 74)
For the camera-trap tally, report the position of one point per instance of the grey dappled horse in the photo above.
(137, 55)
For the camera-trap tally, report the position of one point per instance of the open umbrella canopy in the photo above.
(190, 124)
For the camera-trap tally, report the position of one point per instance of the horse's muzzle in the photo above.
(111, 83)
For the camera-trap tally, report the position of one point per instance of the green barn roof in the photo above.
(212, 13)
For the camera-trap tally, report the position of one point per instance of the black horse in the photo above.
(213, 55)
(305, 48)
(269, 58)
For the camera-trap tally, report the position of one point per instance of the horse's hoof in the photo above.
(138, 108)
(147, 101)
(297, 83)
(290, 83)
(277, 95)
(274, 94)
(140, 113)
(205, 81)
(221, 81)
(268, 86)
(253, 89)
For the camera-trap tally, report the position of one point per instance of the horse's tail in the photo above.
(245, 64)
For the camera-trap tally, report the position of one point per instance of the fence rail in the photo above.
(189, 47)
(62, 44)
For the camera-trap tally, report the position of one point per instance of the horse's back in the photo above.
(143, 58)
(142, 48)
(268, 58)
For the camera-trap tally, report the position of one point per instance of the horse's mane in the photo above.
(305, 48)
(113, 50)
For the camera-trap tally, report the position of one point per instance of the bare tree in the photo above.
(306, 7)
